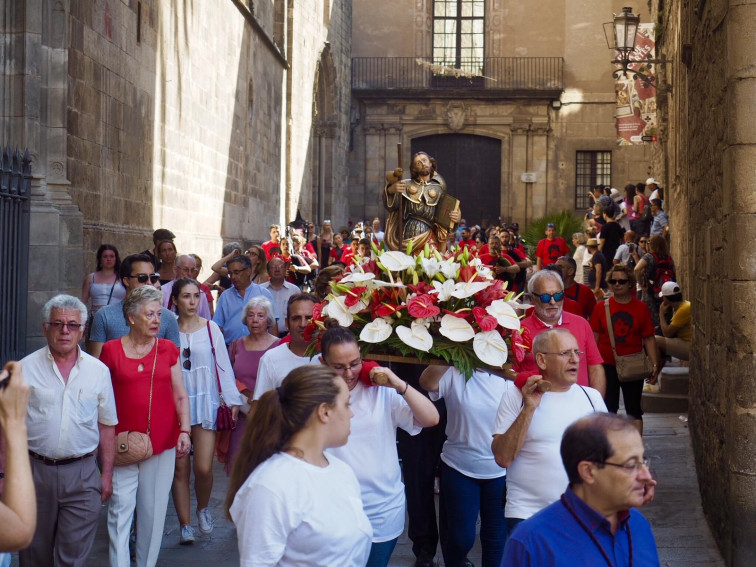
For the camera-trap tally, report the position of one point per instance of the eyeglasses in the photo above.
(187, 352)
(341, 369)
(643, 241)
(546, 297)
(142, 278)
(630, 466)
(568, 353)
(618, 282)
(58, 326)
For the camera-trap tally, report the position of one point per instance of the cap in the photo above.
(550, 225)
(163, 234)
(616, 195)
(669, 288)
(651, 180)
(515, 226)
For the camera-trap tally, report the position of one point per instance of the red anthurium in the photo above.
(310, 331)
(518, 347)
(462, 314)
(485, 321)
(317, 311)
(371, 267)
(487, 296)
(422, 306)
(386, 309)
(421, 288)
(353, 296)
(469, 273)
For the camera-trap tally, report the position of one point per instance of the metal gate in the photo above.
(15, 192)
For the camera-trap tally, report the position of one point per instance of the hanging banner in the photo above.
(635, 116)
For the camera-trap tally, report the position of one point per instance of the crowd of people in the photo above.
(314, 444)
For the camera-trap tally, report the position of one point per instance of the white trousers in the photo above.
(145, 486)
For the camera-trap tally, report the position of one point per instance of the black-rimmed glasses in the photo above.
(632, 466)
(187, 352)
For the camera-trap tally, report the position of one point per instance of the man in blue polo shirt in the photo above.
(594, 522)
(232, 301)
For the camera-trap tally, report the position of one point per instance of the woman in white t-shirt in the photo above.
(471, 481)
(371, 449)
(293, 504)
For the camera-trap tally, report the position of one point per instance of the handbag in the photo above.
(224, 420)
(630, 367)
(134, 446)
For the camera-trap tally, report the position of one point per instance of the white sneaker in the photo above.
(206, 522)
(187, 535)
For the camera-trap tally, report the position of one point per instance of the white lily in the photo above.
(416, 337)
(466, 289)
(381, 283)
(377, 331)
(450, 269)
(444, 290)
(490, 348)
(431, 266)
(456, 329)
(485, 272)
(505, 315)
(337, 309)
(395, 261)
(516, 305)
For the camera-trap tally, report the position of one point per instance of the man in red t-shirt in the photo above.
(467, 241)
(580, 293)
(550, 248)
(547, 295)
(272, 247)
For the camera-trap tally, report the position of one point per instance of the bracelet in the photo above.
(189, 433)
(406, 387)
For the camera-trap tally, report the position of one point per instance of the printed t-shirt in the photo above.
(631, 323)
(549, 251)
(584, 296)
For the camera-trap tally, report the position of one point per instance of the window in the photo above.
(591, 168)
(458, 34)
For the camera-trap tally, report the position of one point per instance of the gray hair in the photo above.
(138, 297)
(63, 301)
(542, 342)
(230, 247)
(541, 274)
(580, 237)
(259, 301)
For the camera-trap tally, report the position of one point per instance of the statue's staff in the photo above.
(399, 174)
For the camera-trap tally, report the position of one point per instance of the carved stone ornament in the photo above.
(456, 113)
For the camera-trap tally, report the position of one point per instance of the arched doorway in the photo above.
(471, 166)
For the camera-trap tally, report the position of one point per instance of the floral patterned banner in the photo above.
(636, 97)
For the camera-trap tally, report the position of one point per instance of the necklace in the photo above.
(593, 537)
(140, 354)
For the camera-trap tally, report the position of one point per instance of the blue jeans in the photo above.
(380, 553)
(462, 498)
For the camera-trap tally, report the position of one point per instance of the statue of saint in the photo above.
(412, 206)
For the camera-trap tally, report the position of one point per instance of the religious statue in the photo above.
(413, 207)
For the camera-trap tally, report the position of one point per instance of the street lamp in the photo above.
(624, 28)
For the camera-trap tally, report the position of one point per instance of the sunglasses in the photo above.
(618, 282)
(546, 297)
(142, 278)
(187, 352)
(73, 327)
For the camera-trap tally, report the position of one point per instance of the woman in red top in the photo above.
(149, 389)
(633, 332)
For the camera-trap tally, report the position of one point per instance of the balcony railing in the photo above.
(541, 77)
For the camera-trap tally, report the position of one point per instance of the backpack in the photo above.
(664, 271)
(645, 213)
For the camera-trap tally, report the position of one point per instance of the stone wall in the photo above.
(708, 155)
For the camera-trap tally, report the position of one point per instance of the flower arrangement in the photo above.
(431, 306)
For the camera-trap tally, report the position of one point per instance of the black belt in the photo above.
(57, 462)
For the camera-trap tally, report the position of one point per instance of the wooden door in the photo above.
(471, 166)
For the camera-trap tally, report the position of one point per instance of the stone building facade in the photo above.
(708, 156)
(213, 119)
(542, 101)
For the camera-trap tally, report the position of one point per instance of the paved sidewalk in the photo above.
(682, 535)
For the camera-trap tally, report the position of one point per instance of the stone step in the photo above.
(674, 384)
(664, 403)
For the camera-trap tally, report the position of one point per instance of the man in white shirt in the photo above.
(185, 266)
(530, 424)
(279, 288)
(71, 415)
(278, 362)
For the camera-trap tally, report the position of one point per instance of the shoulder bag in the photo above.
(224, 421)
(630, 367)
(134, 446)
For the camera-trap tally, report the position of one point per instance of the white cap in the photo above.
(651, 180)
(669, 288)
(616, 195)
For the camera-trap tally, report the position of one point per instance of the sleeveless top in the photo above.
(100, 293)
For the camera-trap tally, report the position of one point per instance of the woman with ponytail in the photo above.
(292, 504)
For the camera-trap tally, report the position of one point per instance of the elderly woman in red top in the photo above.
(149, 393)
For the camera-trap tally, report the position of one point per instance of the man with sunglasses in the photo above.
(594, 522)
(530, 424)
(546, 291)
(71, 417)
(137, 270)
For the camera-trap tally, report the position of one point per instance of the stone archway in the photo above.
(324, 121)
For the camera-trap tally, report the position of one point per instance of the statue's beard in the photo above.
(421, 171)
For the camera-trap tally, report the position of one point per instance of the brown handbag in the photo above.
(134, 446)
(630, 367)
(224, 420)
